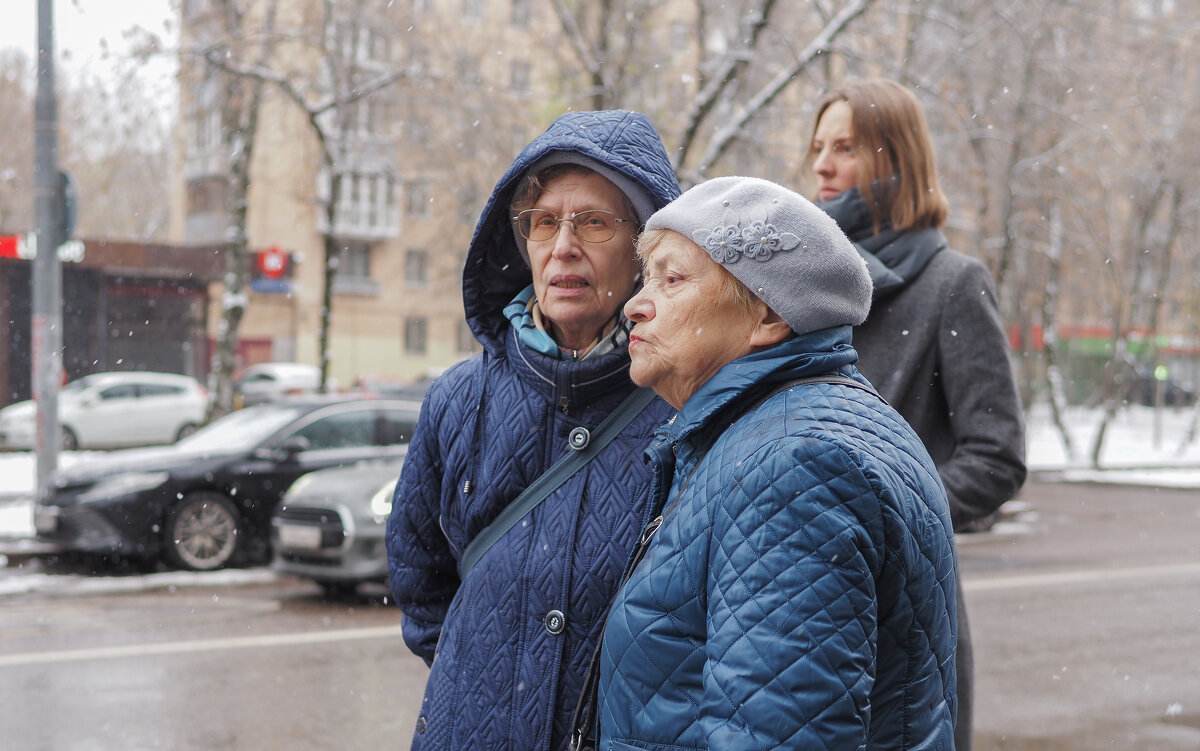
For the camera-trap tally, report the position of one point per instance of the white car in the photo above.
(268, 381)
(110, 410)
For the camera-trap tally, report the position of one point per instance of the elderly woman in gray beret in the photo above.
(796, 586)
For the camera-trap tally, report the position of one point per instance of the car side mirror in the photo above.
(291, 447)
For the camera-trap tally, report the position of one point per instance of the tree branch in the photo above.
(727, 134)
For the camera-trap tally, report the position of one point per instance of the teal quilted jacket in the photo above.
(799, 593)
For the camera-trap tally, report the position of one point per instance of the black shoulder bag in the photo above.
(586, 446)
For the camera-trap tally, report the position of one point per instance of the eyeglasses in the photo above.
(592, 226)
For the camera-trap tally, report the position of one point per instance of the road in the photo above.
(1085, 612)
(1087, 626)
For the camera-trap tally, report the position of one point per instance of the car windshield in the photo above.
(241, 430)
(81, 384)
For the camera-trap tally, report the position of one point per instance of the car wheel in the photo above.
(186, 430)
(69, 441)
(203, 532)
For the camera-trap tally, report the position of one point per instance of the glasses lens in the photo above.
(595, 226)
(537, 225)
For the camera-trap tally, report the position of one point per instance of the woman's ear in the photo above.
(770, 329)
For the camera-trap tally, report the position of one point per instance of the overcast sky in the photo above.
(85, 29)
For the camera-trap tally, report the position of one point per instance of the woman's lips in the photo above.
(569, 285)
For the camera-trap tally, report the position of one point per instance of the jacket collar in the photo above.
(734, 387)
(577, 383)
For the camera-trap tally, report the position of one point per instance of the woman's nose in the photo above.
(638, 308)
(822, 165)
(566, 244)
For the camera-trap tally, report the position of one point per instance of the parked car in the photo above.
(206, 502)
(331, 523)
(392, 386)
(269, 381)
(111, 410)
(1148, 391)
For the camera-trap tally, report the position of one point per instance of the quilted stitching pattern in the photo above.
(799, 594)
(500, 679)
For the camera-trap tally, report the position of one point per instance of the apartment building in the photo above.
(449, 99)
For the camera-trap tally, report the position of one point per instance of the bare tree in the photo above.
(113, 143)
(326, 96)
(224, 38)
(117, 150)
(16, 146)
(744, 57)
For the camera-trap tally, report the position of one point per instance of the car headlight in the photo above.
(381, 502)
(123, 484)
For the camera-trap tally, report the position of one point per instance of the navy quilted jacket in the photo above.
(800, 591)
(505, 675)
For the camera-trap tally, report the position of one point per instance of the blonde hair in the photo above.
(892, 139)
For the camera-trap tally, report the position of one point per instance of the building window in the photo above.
(472, 10)
(362, 43)
(467, 66)
(417, 198)
(373, 115)
(680, 35)
(414, 336)
(416, 268)
(354, 261)
(418, 60)
(366, 205)
(354, 270)
(521, 13)
(468, 204)
(206, 195)
(466, 339)
(520, 76)
(207, 133)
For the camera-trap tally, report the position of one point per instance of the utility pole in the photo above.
(46, 336)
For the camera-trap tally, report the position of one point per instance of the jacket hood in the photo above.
(495, 270)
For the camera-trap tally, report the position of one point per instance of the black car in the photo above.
(1149, 391)
(206, 502)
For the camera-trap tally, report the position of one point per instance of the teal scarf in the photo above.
(520, 313)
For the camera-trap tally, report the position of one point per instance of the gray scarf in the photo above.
(894, 257)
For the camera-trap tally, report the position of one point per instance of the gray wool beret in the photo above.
(777, 243)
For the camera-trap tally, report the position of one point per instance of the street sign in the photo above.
(10, 246)
(273, 262)
(25, 247)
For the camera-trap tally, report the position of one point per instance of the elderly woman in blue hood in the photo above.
(547, 273)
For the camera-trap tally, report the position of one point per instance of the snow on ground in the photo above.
(1141, 447)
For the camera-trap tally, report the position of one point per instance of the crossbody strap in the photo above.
(584, 718)
(586, 446)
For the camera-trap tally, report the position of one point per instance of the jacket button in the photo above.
(421, 724)
(555, 622)
(579, 438)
